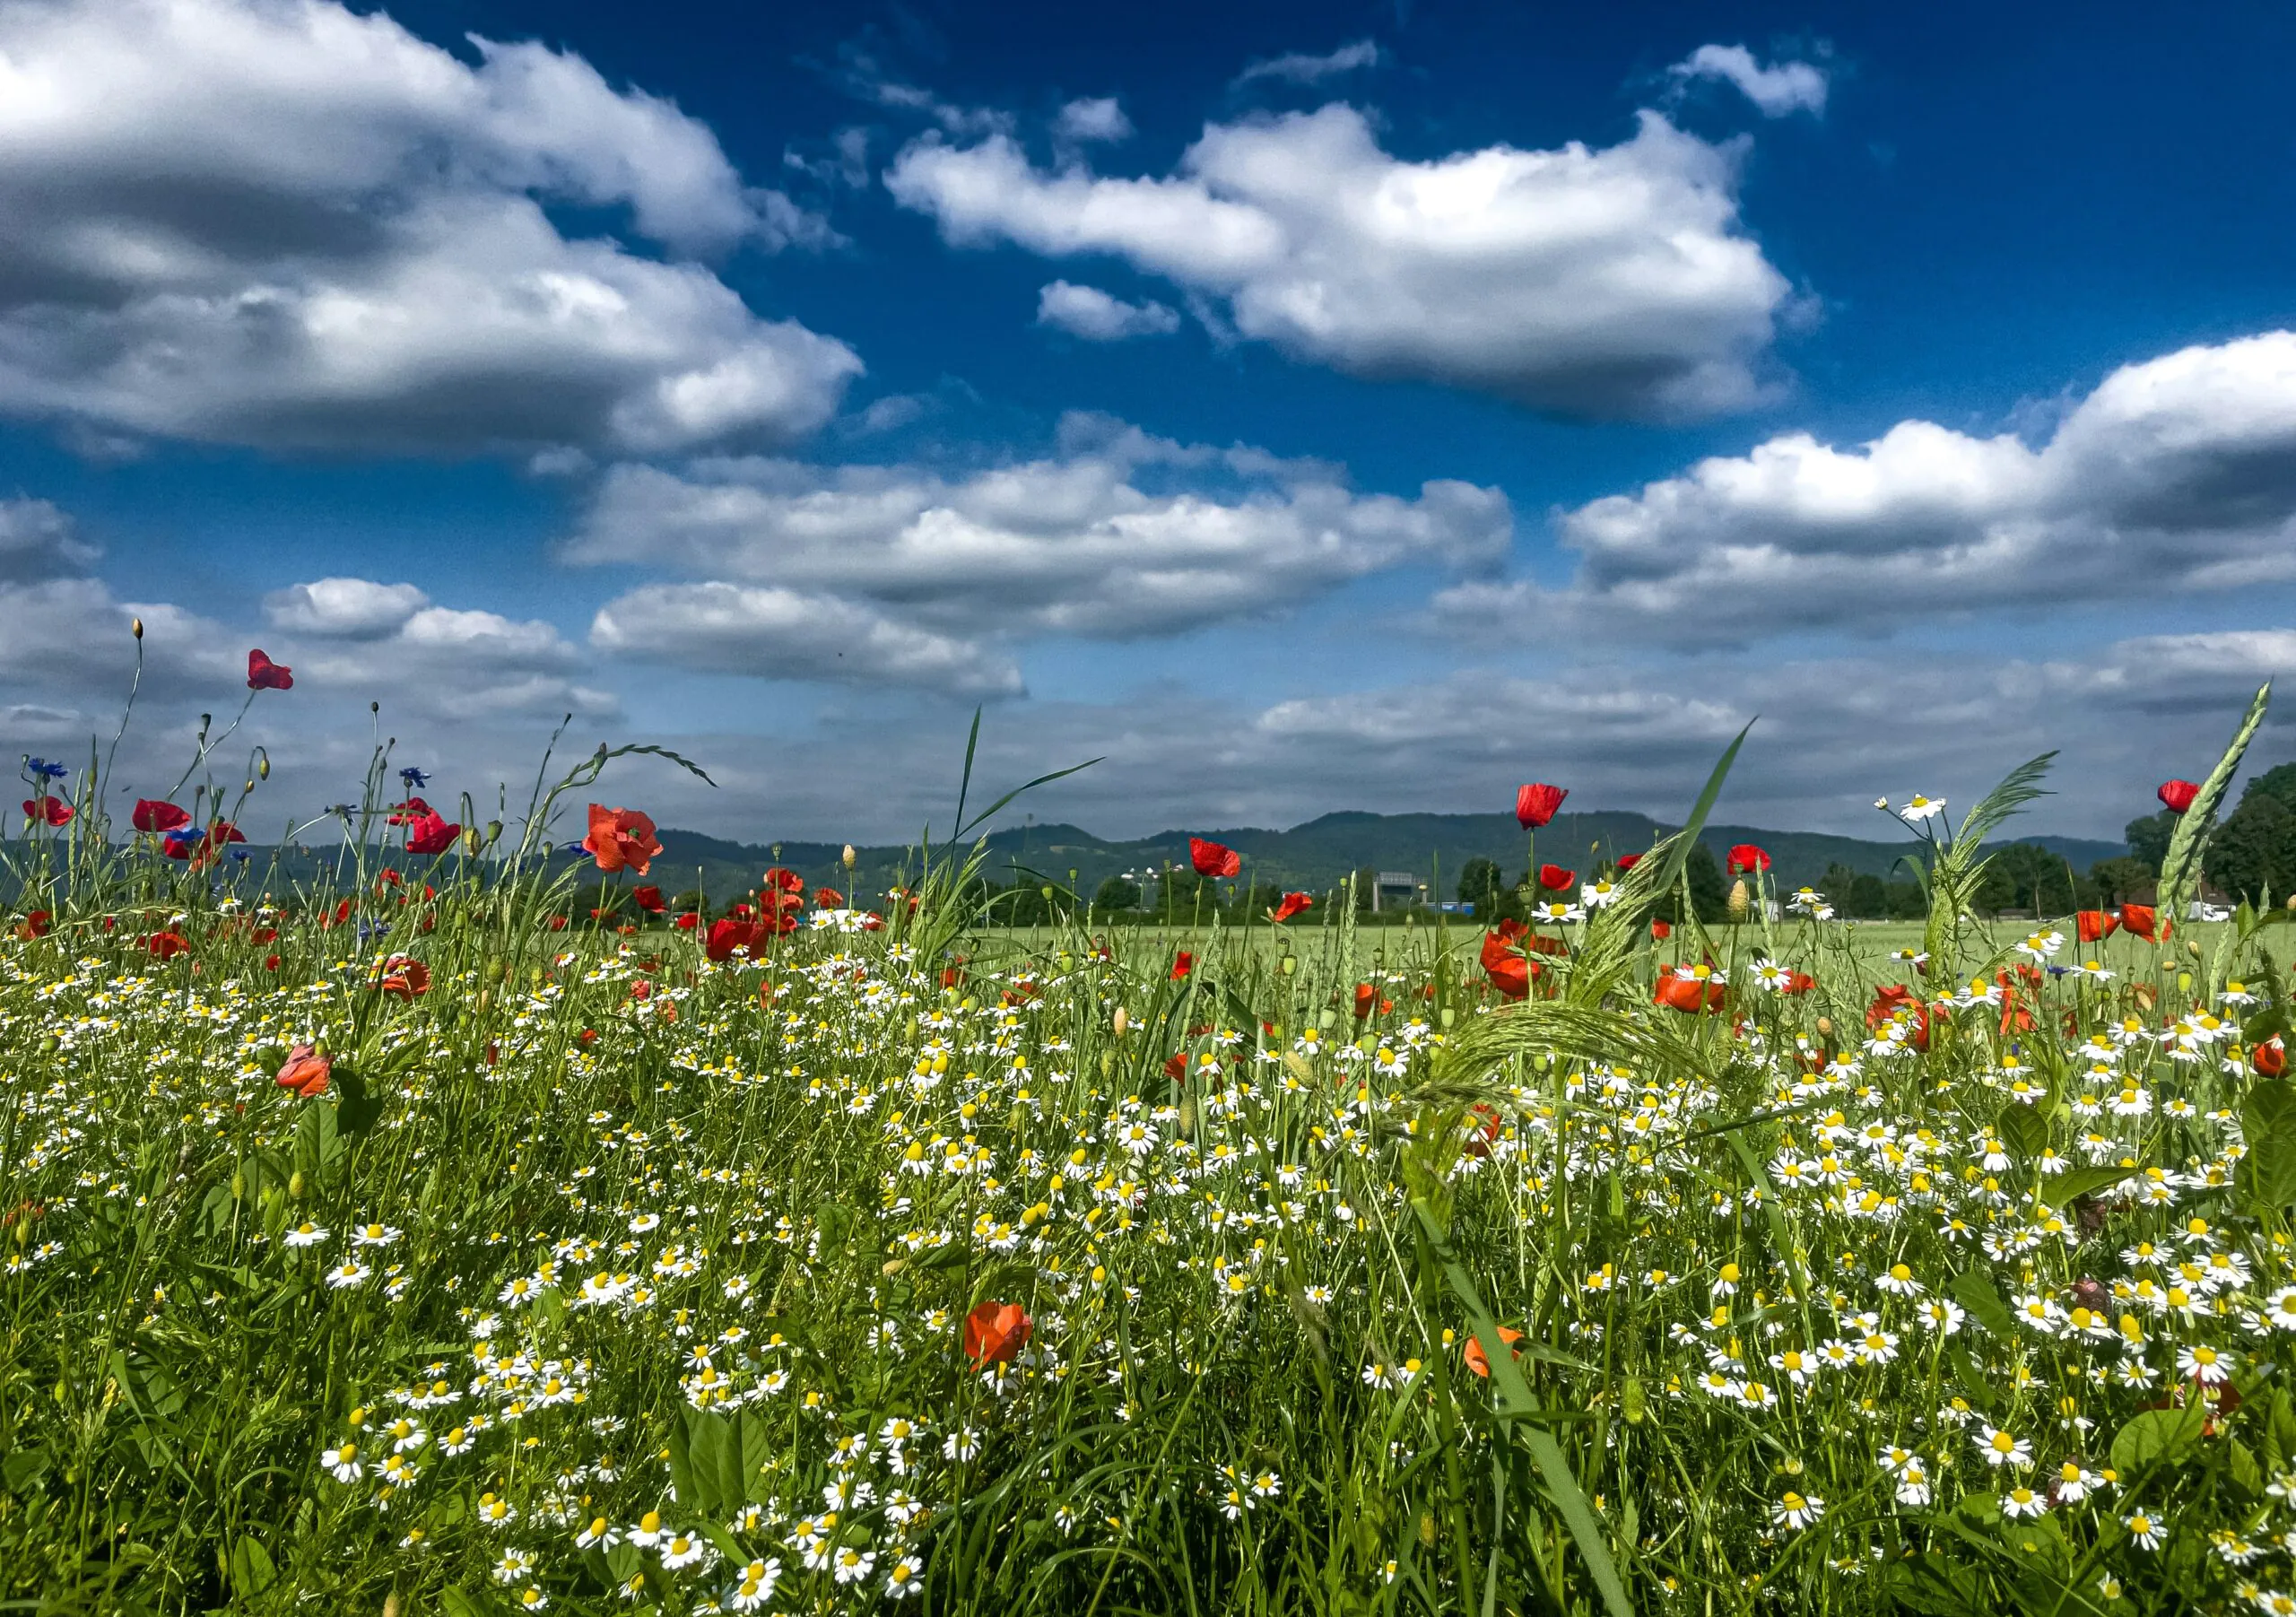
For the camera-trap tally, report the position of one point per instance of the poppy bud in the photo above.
(1740, 905)
(1119, 1021)
(239, 1187)
(494, 830)
(249, 786)
(295, 1185)
(1291, 964)
(849, 856)
(135, 626)
(1825, 1027)
(262, 768)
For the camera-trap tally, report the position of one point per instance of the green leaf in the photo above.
(358, 1104)
(2023, 1130)
(2156, 1436)
(453, 1602)
(2061, 1190)
(2266, 1176)
(1973, 1290)
(251, 1569)
(2180, 868)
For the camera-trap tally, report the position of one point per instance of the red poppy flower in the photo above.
(1535, 805)
(407, 813)
(828, 897)
(223, 831)
(1660, 931)
(2178, 795)
(1176, 1066)
(1477, 1360)
(1889, 1000)
(305, 1072)
(406, 977)
(1509, 971)
(2095, 926)
(1183, 963)
(1799, 982)
(778, 880)
(2140, 920)
(649, 900)
(1556, 879)
(264, 674)
(995, 1332)
(1293, 904)
(271, 962)
(1211, 859)
(728, 934)
(2269, 1058)
(688, 922)
(1689, 993)
(36, 925)
(620, 838)
(1745, 859)
(1627, 862)
(54, 810)
(432, 834)
(1366, 996)
(558, 922)
(167, 945)
(153, 815)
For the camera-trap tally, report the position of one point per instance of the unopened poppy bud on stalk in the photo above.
(1740, 904)
(1119, 1021)
(135, 626)
(849, 856)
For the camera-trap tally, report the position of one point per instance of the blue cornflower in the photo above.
(414, 780)
(39, 768)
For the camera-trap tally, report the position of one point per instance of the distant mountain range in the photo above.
(1316, 857)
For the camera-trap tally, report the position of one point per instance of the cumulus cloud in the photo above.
(1123, 534)
(2178, 473)
(37, 541)
(356, 608)
(1782, 88)
(1091, 314)
(1098, 118)
(1610, 281)
(775, 633)
(1296, 67)
(281, 222)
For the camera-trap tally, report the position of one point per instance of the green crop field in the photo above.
(477, 1235)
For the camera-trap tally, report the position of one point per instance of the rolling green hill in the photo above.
(1317, 855)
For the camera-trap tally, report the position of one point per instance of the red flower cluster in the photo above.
(55, 810)
(1692, 994)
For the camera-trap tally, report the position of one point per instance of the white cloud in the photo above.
(2175, 474)
(1099, 118)
(354, 608)
(1091, 314)
(276, 221)
(1299, 68)
(1604, 283)
(37, 540)
(1122, 535)
(775, 633)
(1783, 88)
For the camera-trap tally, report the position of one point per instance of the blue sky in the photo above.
(1306, 408)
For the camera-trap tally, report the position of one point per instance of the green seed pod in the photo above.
(238, 1187)
(295, 1185)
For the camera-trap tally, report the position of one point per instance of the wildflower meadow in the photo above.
(443, 1220)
